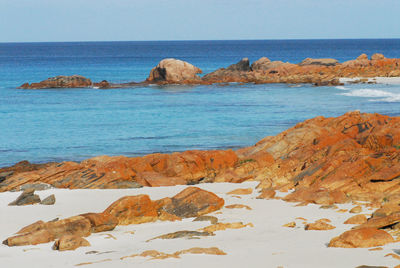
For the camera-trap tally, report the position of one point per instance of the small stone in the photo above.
(28, 197)
(241, 191)
(356, 209)
(50, 200)
(290, 224)
(70, 242)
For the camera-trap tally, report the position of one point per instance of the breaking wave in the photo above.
(381, 95)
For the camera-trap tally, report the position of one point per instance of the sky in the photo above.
(131, 20)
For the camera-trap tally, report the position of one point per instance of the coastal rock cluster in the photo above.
(68, 233)
(320, 72)
(325, 161)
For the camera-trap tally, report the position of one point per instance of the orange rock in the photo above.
(74, 81)
(267, 194)
(290, 224)
(362, 238)
(395, 256)
(356, 209)
(101, 222)
(319, 225)
(70, 242)
(238, 206)
(193, 202)
(241, 191)
(223, 226)
(133, 210)
(357, 219)
(381, 222)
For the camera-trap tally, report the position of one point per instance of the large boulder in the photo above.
(362, 238)
(174, 71)
(193, 202)
(322, 62)
(73, 81)
(261, 64)
(133, 210)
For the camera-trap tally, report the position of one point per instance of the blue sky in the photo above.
(112, 20)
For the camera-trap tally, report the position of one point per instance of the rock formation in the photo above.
(320, 72)
(74, 81)
(191, 202)
(174, 71)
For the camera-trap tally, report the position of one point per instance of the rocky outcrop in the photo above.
(73, 81)
(320, 72)
(174, 71)
(191, 202)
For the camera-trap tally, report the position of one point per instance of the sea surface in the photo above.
(75, 124)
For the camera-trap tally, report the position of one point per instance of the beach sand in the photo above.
(267, 244)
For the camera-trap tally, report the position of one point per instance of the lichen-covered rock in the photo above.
(356, 219)
(133, 210)
(319, 225)
(101, 222)
(362, 238)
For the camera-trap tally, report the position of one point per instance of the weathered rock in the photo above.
(50, 200)
(211, 219)
(356, 209)
(291, 224)
(261, 64)
(74, 81)
(362, 238)
(28, 197)
(319, 225)
(238, 206)
(267, 193)
(357, 219)
(246, 191)
(154, 254)
(183, 234)
(101, 222)
(174, 71)
(323, 62)
(133, 210)
(193, 202)
(381, 222)
(223, 226)
(242, 66)
(377, 56)
(40, 232)
(70, 242)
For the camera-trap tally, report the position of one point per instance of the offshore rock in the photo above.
(174, 71)
(74, 81)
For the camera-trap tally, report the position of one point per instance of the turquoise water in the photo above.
(74, 124)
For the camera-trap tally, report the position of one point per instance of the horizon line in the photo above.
(196, 40)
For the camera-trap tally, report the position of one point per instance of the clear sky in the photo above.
(113, 20)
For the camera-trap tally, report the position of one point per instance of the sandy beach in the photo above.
(267, 243)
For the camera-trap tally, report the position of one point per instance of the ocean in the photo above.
(75, 124)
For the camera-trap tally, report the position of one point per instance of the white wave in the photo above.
(342, 88)
(374, 93)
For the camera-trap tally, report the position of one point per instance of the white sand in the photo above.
(377, 80)
(268, 244)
